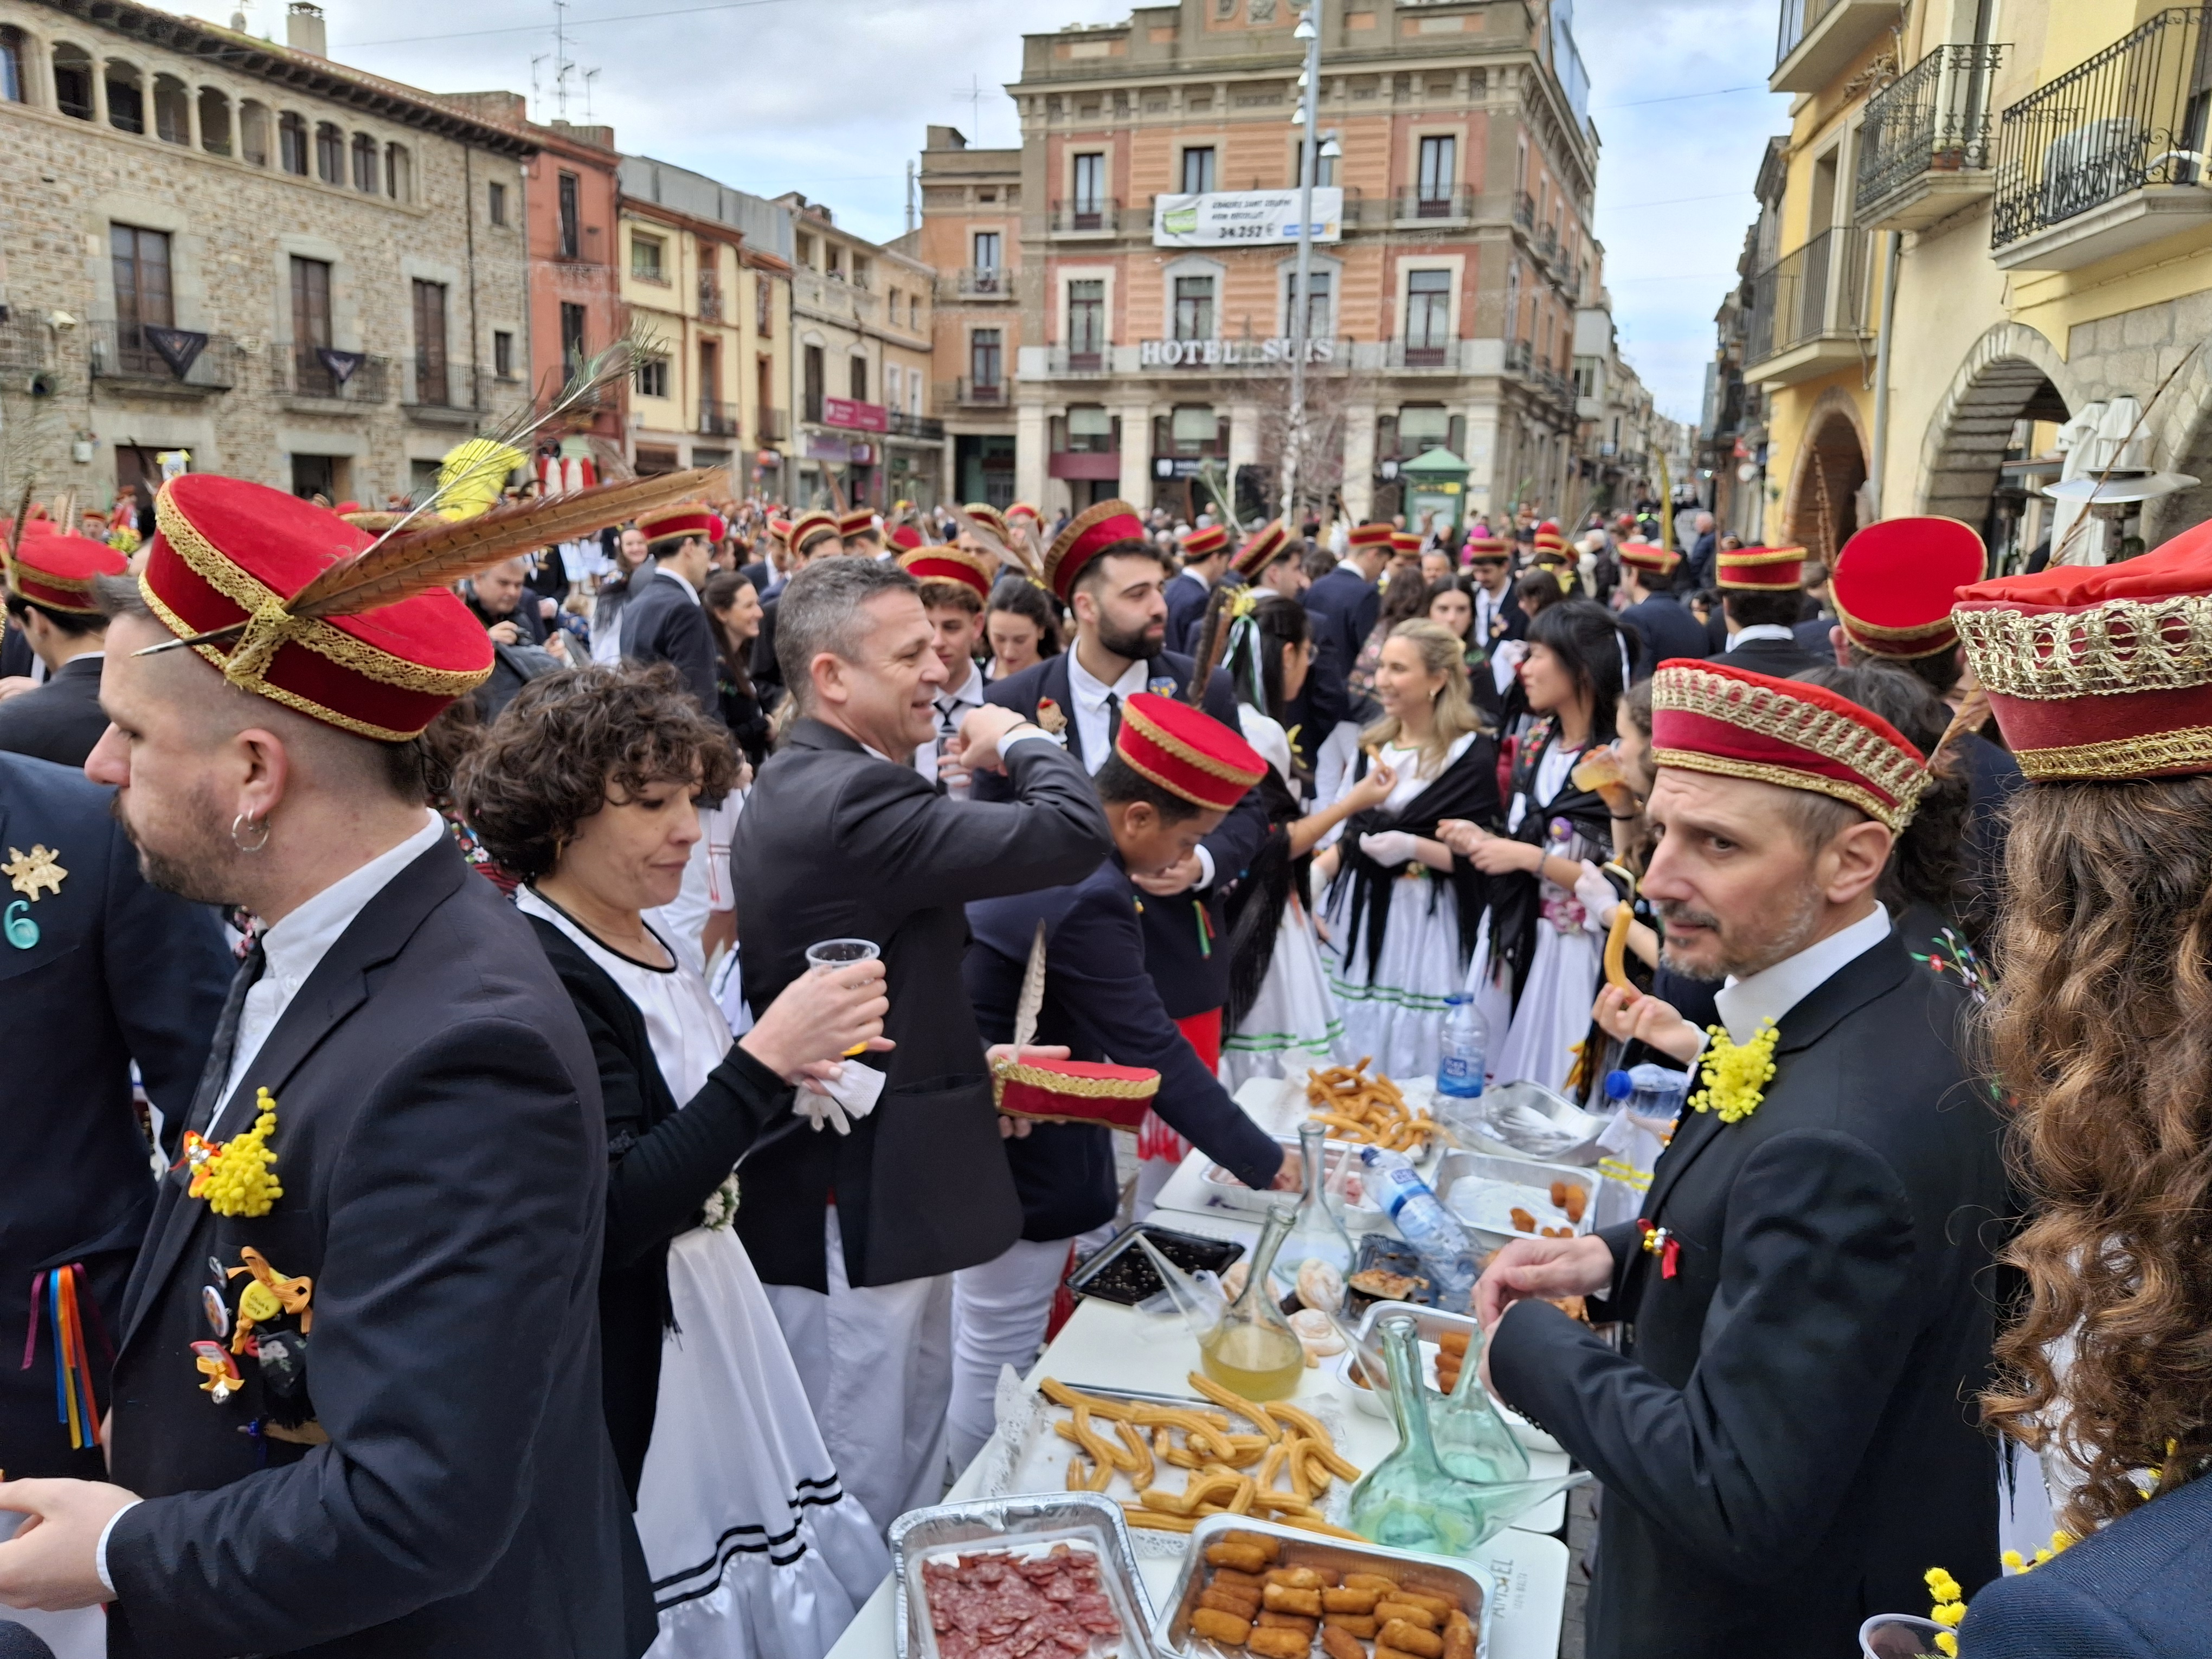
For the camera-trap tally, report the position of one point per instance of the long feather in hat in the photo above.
(1011, 558)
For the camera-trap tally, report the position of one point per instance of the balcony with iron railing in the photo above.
(444, 392)
(831, 297)
(1436, 204)
(1519, 357)
(975, 394)
(1808, 310)
(1524, 209)
(132, 353)
(1925, 150)
(1819, 39)
(975, 282)
(330, 376)
(2109, 155)
(717, 419)
(1084, 216)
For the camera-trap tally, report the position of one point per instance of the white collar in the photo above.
(1773, 992)
(1087, 691)
(690, 591)
(970, 690)
(1198, 576)
(296, 945)
(1759, 631)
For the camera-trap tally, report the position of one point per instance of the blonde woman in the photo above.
(1401, 908)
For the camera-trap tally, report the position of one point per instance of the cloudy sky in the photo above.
(830, 97)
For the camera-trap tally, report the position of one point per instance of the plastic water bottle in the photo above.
(1424, 1223)
(1653, 1092)
(1465, 1049)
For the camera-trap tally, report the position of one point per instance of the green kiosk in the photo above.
(1434, 485)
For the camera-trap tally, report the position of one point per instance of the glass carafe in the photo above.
(1317, 1235)
(1410, 1501)
(1472, 1441)
(1254, 1350)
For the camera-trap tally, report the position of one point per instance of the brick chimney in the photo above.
(304, 30)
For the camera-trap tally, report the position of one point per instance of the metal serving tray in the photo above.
(1527, 1121)
(1171, 1634)
(1519, 1172)
(1017, 1523)
(1192, 1252)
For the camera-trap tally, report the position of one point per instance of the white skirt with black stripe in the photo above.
(754, 1549)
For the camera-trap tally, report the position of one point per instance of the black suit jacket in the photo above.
(2141, 1588)
(443, 1163)
(835, 843)
(1665, 629)
(1186, 936)
(61, 720)
(1341, 609)
(1813, 634)
(1100, 1000)
(1787, 1437)
(1187, 596)
(114, 970)
(663, 622)
(761, 667)
(1780, 658)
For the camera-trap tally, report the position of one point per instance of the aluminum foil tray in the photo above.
(1030, 1523)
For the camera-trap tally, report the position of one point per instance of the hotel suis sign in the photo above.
(1231, 218)
(1230, 353)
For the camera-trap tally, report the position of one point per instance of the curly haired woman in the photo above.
(2101, 1029)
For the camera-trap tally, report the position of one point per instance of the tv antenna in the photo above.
(564, 67)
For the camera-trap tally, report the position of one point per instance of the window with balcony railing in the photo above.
(1934, 118)
(1086, 323)
(1819, 289)
(1799, 19)
(2131, 117)
(1428, 318)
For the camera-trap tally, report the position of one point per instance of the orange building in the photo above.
(1138, 324)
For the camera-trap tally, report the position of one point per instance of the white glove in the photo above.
(1389, 848)
(851, 1094)
(1599, 899)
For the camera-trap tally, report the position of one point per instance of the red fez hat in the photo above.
(1075, 1092)
(1087, 534)
(2099, 672)
(1405, 541)
(1187, 751)
(57, 571)
(1376, 533)
(1487, 547)
(988, 516)
(1894, 582)
(1548, 537)
(859, 522)
(226, 551)
(779, 528)
(1649, 555)
(1268, 543)
(1708, 717)
(684, 519)
(1205, 541)
(951, 564)
(810, 527)
(1023, 510)
(906, 536)
(1760, 569)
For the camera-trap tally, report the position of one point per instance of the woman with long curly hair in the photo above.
(2100, 1030)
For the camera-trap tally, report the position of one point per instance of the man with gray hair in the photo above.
(857, 1233)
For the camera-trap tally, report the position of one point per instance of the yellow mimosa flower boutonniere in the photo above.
(239, 1178)
(1734, 1076)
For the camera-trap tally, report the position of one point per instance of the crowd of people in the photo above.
(567, 989)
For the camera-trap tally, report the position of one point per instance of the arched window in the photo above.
(330, 154)
(398, 173)
(11, 64)
(253, 133)
(292, 143)
(126, 97)
(73, 82)
(365, 170)
(173, 112)
(215, 122)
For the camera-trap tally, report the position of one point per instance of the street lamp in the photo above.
(1302, 307)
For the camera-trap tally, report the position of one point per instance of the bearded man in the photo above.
(1786, 1433)
(356, 1385)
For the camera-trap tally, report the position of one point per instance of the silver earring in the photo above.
(242, 821)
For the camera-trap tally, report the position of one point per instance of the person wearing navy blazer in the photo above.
(1341, 608)
(1205, 562)
(664, 620)
(98, 968)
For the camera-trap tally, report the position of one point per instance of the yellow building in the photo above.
(1988, 229)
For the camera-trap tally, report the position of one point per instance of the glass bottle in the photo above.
(1317, 1235)
(1472, 1441)
(1254, 1350)
(1409, 1500)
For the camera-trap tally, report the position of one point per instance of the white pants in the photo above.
(999, 1311)
(877, 1366)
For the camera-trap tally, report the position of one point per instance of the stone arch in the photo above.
(2181, 427)
(1820, 507)
(2011, 371)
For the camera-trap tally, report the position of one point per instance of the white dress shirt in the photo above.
(1773, 992)
(1089, 696)
(1759, 631)
(1488, 605)
(297, 945)
(952, 707)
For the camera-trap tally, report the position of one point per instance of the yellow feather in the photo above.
(472, 475)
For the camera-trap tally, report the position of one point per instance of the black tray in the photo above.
(1122, 1273)
(1392, 1255)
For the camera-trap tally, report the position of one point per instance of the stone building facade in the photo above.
(299, 273)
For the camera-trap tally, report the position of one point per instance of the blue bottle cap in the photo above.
(1618, 1085)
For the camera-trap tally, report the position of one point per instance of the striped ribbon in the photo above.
(74, 1404)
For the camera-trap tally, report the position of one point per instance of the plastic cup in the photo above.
(842, 953)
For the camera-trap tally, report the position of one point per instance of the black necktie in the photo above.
(1113, 720)
(207, 1100)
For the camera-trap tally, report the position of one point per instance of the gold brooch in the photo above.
(27, 873)
(1051, 717)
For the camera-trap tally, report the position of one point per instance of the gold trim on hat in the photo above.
(1161, 737)
(1771, 556)
(1802, 724)
(2119, 646)
(2115, 758)
(1856, 794)
(1869, 636)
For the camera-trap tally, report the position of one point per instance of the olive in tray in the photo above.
(1247, 1594)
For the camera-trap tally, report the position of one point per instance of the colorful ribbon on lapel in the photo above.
(74, 1404)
